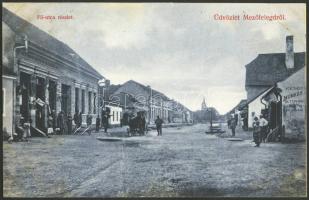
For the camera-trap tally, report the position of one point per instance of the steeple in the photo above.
(204, 107)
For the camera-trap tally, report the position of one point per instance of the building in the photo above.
(267, 69)
(256, 107)
(42, 74)
(204, 106)
(279, 94)
(286, 107)
(241, 113)
(135, 97)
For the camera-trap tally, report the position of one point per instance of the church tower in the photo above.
(204, 107)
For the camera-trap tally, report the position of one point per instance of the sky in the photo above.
(178, 49)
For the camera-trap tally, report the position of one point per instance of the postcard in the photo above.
(154, 99)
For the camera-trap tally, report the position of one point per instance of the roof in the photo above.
(116, 89)
(240, 105)
(261, 93)
(145, 89)
(42, 39)
(268, 69)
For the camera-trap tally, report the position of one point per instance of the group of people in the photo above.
(260, 129)
(61, 123)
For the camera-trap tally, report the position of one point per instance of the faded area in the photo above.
(183, 162)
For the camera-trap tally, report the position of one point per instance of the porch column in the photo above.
(72, 98)
(86, 100)
(32, 99)
(58, 97)
(46, 107)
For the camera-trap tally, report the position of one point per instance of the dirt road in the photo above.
(183, 162)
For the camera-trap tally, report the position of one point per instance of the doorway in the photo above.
(65, 98)
(40, 109)
(25, 91)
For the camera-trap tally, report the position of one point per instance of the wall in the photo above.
(293, 105)
(116, 111)
(8, 96)
(8, 42)
(254, 108)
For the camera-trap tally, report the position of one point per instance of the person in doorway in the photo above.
(263, 127)
(97, 124)
(54, 116)
(61, 122)
(75, 119)
(50, 129)
(159, 123)
(19, 130)
(69, 123)
(102, 118)
(256, 132)
(80, 119)
(233, 124)
(89, 122)
(27, 133)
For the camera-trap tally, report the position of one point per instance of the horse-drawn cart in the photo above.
(136, 123)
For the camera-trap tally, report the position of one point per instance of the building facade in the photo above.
(50, 76)
(135, 97)
(267, 69)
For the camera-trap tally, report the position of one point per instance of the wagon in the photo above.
(136, 124)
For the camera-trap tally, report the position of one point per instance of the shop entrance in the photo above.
(25, 91)
(40, 98)
(66, 98)
(52, 93)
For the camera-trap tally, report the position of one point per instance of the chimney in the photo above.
(289, 54)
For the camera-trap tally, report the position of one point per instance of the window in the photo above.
(117, 116)
(113, 115)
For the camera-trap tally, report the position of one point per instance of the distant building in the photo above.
(42, 74)
(135, 97)
(204, 106)
(267, 69)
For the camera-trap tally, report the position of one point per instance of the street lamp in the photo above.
(149, 103)
(102, 84)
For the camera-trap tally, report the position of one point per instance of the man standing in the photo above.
(89, 122)
(159, 123)
(256, 132)
(263, 125)
(69, 123)
(233, 124)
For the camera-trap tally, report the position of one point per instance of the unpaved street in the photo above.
(183, 162)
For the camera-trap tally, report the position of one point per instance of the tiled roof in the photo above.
(35, 35)
(268, 69)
